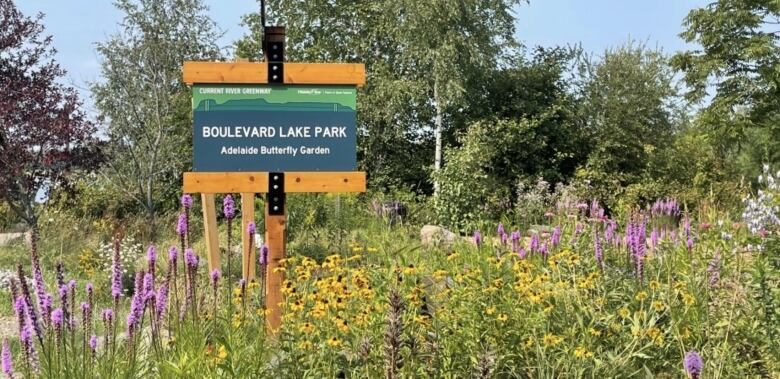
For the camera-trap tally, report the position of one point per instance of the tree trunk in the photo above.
(437, 133)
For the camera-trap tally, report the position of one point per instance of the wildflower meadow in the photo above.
(389, 189)
(655, 292)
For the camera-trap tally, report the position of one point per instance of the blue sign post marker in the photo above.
(244, 128)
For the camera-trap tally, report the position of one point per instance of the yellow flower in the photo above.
(237, 321)
(551, 339)
(594, 332)
(490, 310)
(305, 345)
(440, 274)
(372, 249)
(624, 312)
(529, 343)
(688, 300)
(658, 306)
(222, 353)
(502, 317)
(581, 352)
(641, 296)
(334, 342)
(452, 256)
(306, 328)
(253, 284)
(421, 319)
(410, 270)
(654, 285)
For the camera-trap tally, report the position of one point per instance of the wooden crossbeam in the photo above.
(257, 182)
(257, 73)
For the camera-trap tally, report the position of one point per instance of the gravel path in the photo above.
(9, 327)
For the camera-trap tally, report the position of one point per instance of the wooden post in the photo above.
(247, 252)
(210, 227)
(275, 240)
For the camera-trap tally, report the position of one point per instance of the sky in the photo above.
(597, 24)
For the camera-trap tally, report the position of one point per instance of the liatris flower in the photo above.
(116, 274)
(215, 275)
(477, 238)
(56, 320)
(38, 284)
(64, 303)
(190, 258)
(8, 367)
(251, 228)
(59, 273)
(32, 313)
(191, 264)
(693, 364)
(108, 325)
(181, 225)
(30, 355)
(534, 246)
(516, 242)
(713, 268)
(148, 287)
(556, 236)
(654, 239)
(228, 207)
(151, 258)
(393, 334)
(502, 234)
(599, 253)
(135, 314)
(264, 255)
(689, 244)
(521, 253)
(20, 308)
(93, 345)
(186, 201)
(161, 304)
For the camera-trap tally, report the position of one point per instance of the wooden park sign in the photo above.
(272, 128)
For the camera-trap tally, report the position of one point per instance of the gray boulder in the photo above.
(436, 236)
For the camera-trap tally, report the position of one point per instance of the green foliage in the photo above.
(632, 114)
(142, 96)
(738, 59)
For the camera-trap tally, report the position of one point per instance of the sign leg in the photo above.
(210, 228)
(275, 237)
(247, 252)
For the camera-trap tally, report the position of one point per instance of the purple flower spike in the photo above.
(181, 226)
(173, 253)
(215, 275)
(148, 286)
(264, 255)
(161, 300)
(8, 367)
(56, 317)
(477, 238)
(186, 201)
(190, 259)
(93, 343)
(151, 255)
(251, 228)
(501, 230)
(516, 242)
(229, 207)
(693, 364)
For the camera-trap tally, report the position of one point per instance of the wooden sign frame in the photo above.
(248, 184)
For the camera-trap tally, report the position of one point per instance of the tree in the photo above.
(44, 135)
(425, 61)
(740, 59)
(144, 99)
(632, 111)
(526, 127)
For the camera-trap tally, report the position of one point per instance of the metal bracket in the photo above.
(276, 195)
(273, 49)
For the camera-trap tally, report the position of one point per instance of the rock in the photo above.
(9, 238)
(432, 235)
